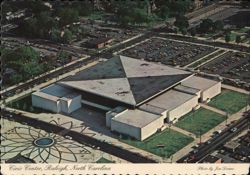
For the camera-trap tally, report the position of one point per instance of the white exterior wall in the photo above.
(126, 129)
(46, 104)
(74, 104)
(182, 109)
(110, 115)
(151, 128)
(211, 92)
(70, 105)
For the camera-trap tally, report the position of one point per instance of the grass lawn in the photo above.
(230, 101)
(243, 30)
(25, 104)
(200, 121)
(170, 139)
(103, 160)
(96, 16)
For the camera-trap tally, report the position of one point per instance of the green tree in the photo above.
(68, 16)
(218, 26)
(238, 39)
(25, 61)
(227, 37)
(206, 26)
(67, 36)
(163, 12)
(63, 56)
(181, 22)
(16, 78)
(193, 31)
(140, 16)
(55, 35)
(183, 31)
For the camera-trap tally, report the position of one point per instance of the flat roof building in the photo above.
(57, 99)
(138, 96)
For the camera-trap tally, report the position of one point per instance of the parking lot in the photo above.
(232, 65)
(168, 51)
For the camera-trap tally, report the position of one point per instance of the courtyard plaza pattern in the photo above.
(41, 146)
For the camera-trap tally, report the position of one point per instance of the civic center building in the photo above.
(139, 97)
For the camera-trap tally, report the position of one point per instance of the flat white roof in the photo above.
(136, 118)
(167, 101)
(56, 90)
(199, 83)
(46, 96)
(187, 89)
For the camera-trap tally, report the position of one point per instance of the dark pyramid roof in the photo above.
(145, 87)
(112, 68)
(125, 79)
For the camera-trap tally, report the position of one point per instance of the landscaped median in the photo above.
(103, 160)
(163, 144)
(200, 121)
(230, 101)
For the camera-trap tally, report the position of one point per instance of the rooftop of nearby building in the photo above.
(167, 101)
(125, 79)
(136, 118)
(232, 145)
(199, 83)
(99, 41)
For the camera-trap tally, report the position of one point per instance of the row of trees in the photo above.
(208, 26)
(26, 63)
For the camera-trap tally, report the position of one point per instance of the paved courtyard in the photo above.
(44, 147)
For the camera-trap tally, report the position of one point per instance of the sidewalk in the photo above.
(201, 58)
(213, 109)
(235, 89)
(183, 131)
(213, 58)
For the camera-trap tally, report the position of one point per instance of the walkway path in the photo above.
(183, 131)
(213, 109)
(213, 58)
(235, 89)
(201, 58)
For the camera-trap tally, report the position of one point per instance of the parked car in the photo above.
(233, 129)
